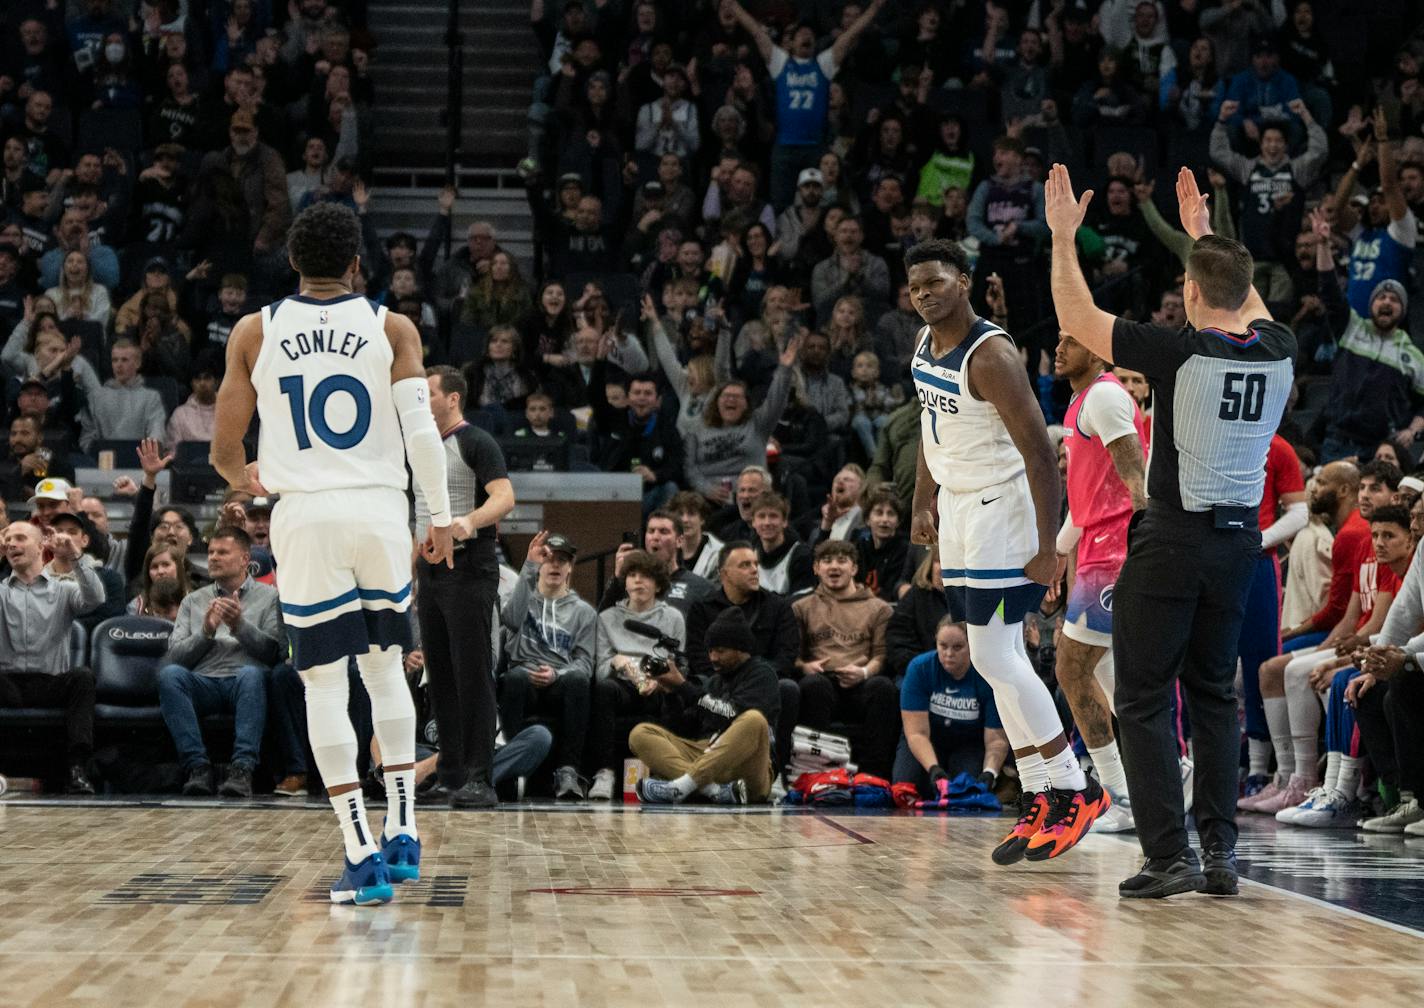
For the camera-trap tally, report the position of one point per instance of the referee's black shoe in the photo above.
(1219, 867)
(475, 794)
(1161, 877)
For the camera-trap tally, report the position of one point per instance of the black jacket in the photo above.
(881, 570)
(654, 443)
(773, 626)
(706, 711)
(911, 630)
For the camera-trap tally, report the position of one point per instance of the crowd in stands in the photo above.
(721, 199)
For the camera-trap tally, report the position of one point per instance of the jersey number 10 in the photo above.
(294, 388)
(1243, 397)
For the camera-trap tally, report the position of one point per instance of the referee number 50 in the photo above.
(1243, 397)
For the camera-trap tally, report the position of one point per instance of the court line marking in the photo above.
(838, 960)
(1403, 929)
(857, 837)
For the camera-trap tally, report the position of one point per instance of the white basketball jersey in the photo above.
(323, 381)
(966, 445)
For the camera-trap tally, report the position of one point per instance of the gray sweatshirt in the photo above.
(560, 632)
(715, 454)
(258, 640)
(122, 413)
(614, 640)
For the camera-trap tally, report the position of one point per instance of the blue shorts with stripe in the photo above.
(343, 572)
(985, 539)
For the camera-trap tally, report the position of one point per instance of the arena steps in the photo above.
(501, 62)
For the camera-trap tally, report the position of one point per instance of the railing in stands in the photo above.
(600, 570)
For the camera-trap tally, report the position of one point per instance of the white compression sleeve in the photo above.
(423, 447)
(1068, 535)
(1296, 518)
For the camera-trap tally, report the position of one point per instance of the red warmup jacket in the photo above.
(1352, 546)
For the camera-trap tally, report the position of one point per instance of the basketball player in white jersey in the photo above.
(985, 449)
(338, 385)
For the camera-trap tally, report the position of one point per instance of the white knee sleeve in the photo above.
(392, 712)
(333, 740)
(999, 653)
(1106, 674)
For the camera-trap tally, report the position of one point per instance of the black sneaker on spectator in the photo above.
(475, 794)
(567, 785)
(78, 782)
(200, 781)
(238, 783)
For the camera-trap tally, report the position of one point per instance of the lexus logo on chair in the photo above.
(119, 633)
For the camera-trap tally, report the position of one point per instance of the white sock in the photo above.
(1033, 774)
(400, 804)
(393, 720)
(684, 785)
(350, 809)
(1347, 781)
(1108, 761)
(1278, 718)
(1258, 757)
(1064, 772)
(333, 743)
(1332, 770)
(1305, 715)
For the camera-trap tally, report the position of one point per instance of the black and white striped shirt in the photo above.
(473, 460)
(1218, 398)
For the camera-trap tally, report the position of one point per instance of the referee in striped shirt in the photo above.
(1219, 387)
(456, 604)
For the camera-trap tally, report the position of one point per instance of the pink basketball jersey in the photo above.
(1097, 497)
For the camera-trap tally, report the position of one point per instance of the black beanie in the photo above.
(730, 630)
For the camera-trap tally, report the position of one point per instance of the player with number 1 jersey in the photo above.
(339, 387)
(987, 492)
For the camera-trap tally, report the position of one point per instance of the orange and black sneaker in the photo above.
(1070, 815)
(1033, 812)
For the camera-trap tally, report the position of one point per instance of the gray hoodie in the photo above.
(561, 632)
(614, 640)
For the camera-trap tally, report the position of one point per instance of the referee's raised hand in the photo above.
(1191, 205)
(1063, 212)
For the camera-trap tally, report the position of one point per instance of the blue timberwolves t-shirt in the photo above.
(803, 95)
(954, 705)
(1378, 254)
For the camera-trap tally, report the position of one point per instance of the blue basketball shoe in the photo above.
(365, 884)
(402, 855)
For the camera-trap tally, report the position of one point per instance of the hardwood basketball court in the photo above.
(175, 902)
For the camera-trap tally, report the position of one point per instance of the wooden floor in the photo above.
(122, 906)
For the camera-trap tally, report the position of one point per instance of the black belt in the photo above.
(1230, 517)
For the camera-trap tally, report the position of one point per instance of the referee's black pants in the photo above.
(456, 611)
(1177, 609)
